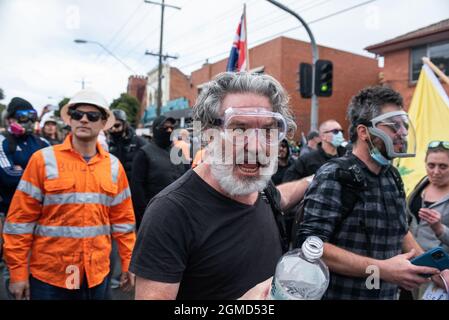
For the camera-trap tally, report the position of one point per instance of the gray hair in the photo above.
(207, 106)
(368, 104)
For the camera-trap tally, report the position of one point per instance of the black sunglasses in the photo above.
(92, 116)
(334, 131)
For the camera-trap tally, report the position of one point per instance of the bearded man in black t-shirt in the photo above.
(212, 234)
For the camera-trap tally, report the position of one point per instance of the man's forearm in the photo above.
(410, 243)
(345, 262)
(292, 192)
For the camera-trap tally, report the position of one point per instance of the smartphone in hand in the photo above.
(435, 258)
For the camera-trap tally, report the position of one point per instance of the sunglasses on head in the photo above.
(334, 131)
(435, 144)
(26, 115)
(92, 116)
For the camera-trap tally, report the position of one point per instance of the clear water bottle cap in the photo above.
(312, 248)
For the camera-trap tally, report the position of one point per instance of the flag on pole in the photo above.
(238, 58)
(429, 113)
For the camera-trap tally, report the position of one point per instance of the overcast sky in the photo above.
(40, 62)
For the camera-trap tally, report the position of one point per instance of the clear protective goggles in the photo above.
(397, 132)
(242, 124)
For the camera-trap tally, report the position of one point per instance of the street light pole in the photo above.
(82, 41)
(314, 106)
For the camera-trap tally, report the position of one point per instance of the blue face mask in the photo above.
(379, 158)
(337, 139)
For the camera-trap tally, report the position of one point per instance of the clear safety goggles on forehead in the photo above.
(397, 132)
(244, 123)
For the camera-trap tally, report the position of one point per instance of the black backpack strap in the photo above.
(272, 196)
(352, 180)
(398, 180)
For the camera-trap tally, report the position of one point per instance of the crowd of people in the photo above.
(91, 210)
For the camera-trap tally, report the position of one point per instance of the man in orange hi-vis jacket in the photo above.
(71, 199)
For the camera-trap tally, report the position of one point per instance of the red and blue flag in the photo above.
(238, 58)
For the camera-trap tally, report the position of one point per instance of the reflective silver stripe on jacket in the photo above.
(114, 168)
(30, 189)
(77, 198)
(19, 228)
(123, 227)
(72, 232)
(122, 196)
(51, 165)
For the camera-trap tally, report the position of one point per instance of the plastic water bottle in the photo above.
(301, 274)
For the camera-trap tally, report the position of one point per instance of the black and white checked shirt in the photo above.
(375, 227)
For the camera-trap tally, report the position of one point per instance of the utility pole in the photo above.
(83, 83)
(314, 106)
(159, 80)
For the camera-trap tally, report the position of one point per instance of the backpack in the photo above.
(269, 195)
(353, 182)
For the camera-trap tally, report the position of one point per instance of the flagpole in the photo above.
(436, 70)
(246, 39)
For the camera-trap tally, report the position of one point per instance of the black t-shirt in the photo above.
(215, 247)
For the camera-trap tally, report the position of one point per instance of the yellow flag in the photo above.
(429, 113)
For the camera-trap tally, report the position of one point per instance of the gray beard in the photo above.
(237, 186)
(232, 185)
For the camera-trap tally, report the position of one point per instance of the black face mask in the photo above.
(116, 134)
(162, 138)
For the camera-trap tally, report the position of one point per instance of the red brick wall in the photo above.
(281, 58)
(137, 87)
(180, 86)
(351, 73)
(396, 74)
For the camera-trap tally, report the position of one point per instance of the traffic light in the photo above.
(323, 78)
(305, 80)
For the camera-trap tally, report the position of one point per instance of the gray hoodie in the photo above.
(423, 233)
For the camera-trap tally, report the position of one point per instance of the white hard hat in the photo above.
(88, 96)
(49, 116)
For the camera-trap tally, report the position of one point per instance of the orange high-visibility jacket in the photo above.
(64, 212)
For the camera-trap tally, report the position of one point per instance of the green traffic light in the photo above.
(324, 87)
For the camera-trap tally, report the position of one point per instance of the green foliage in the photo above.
(61, 103)
(129, 104)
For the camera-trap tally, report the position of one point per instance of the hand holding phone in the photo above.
(435, 258)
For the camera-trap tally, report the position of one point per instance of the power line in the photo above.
(254, 24)
(216, 19)
(282, 32)
(111, 40)
(125, 24)
(317, 20)
(145, 15)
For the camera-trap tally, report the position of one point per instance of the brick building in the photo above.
(137, 87)
(402, 56)
(280, 58)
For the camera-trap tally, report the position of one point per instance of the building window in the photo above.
(438, 54)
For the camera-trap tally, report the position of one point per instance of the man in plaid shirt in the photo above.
(373, 235)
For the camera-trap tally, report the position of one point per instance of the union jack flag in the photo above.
(238, 58)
